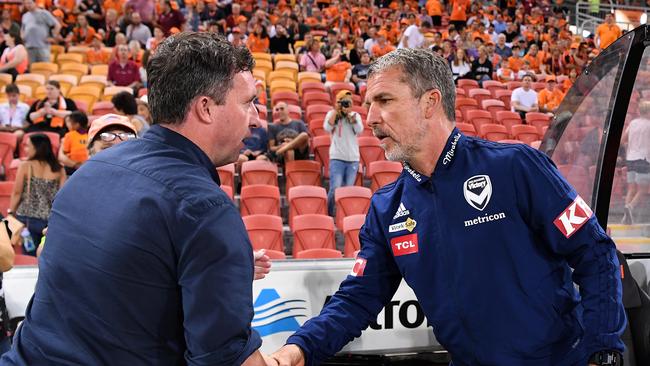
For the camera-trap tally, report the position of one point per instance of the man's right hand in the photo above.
(289, 355)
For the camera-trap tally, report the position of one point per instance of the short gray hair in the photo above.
(423, 70)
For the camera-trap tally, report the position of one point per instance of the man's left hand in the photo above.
(262, 264)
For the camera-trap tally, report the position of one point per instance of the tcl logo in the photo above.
(405, 244)
(573, 217)
(358, 268)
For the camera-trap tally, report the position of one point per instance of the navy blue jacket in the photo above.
(487, 243)
(147, 262)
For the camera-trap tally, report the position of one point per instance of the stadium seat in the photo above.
(539, 120)
(508, 119)
(228, 191)
(308, 77)
(259, 75)
(369, 150)
(312, 232)
(382, 173)
(318, 253)
(317, 112)
(101, 108)
(8, 143)
(262, 56)
(110, 91)
(492, 86)
(493, 106)
(88, 94)
(478, 118)
(284, 57)
(525, 133)
(302, 173)
(100, 69)
(321, 146)
(459, 116)
(31, 80)
(65, 58)
(466, 104)
(261, 111)
(494, 132)
(288, 66)
(227, 175)
(6, 189)
(504, 96)
(5, 79)
(265, 231)
(79, 49)
(265, 66)
(98, 81)
(40, 93)
(82, 105)
(305, 200)
(363, 112)
(336, 87)
(280, 75)
(351, 226)
(290, 98)
(467, 84)
(512, 85)
(538, 86)
(460, 93)
(44, 68)
(275, 254)
(66, 81)
(351, 200)
(260, 199)
(75, 69)
(510, 141)
(316, 98)
(479, 95)
(259, 172)
(316, 127)
(466, 128)
(308, 86)
(282, 85)
(25, 260)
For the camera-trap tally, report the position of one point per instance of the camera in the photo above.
(345, 103)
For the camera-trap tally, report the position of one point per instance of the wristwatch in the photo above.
(607, 358)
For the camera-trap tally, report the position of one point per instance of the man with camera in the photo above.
(344, 125)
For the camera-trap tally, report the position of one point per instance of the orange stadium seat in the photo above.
(312, 232)
(467, 84)
(466, 104)
(504, 96)
(369, 150)
(88, 94)
(98, 81)
(288, 66)
(316, 127)
(288, 97)
(318, 253)
(284, 57)
(578, 177)
(302, 172)
(351, 200)
(259, 172)
(525, 133)
(351, 227)
(280, 75)
(75, 69)
(336, 87)
(282, 85)
(65, 80)
(102, 108)
(5, 79)
(228, 191)
(510, 141)
(110, 91)
(539, 120)
(6, 189)
(275, 254)
(466, 128)
(306, 200)
(459, 116)
(100, 69)
(31, 80)
(265, 231)
(65, 58)
(260, 199)
(494, 132)
(44, 68)
(493, 106)
(316, 98)
(308, 86)
(262, 56)
(383, 172)
(508, 119)
(317, 111)
(512, 85)
(492, 86)
(479, 95)
(227, 175)
(321, 146)
(478, 118)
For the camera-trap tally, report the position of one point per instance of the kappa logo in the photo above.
(477, 191)
(401, 211)
(573, 217)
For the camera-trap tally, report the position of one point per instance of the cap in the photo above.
(342, 94)
(108, 120)
(550, 78)
(174, 30)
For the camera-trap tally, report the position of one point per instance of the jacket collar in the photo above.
(191, 152)
(445, 161)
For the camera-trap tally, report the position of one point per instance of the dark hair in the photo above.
(190, 64)
(15, 34)
(43, 151)
(124, 102)
(80, 118)
(12, 89)
(54, 83)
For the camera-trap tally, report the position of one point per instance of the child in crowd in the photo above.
(73, 151)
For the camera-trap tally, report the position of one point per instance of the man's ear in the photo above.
(432, 100)
(203, 109)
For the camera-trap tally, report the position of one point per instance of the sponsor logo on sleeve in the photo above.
(573, 217)
(401, 211)
(477, 191)
(409, 225)
(359, 267)
(404, 245)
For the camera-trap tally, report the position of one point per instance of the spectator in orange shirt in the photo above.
(607, 32)
(459, 14)
(504, 73)
(382, 47)
(73, 151)
(434, 10)
(338, 68)
(549, 98)
(533, 58)
(82, 33)
(515, 62)
(96, 54)
(117, 5)
(259, 40)
(568, 83)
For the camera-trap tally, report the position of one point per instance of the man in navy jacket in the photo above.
(486, 235)
(147, 260)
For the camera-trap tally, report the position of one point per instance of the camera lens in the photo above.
(345, 103)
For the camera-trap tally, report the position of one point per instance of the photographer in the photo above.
(344, 125)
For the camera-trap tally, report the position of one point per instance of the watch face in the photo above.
(607, 358)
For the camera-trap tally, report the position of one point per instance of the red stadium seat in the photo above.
(227, 175)
(275, 254)
(316, 127)
(369, 150)
(291, 98)
(538, 86)
(338, 86)
(6, 188)
(315, 98)
(259, 172)
(479, 118)
(312, 232)
(382, 173)
(307, 87)
(479, 94)
(510, 141)
(101, 108)
(265, 231)
(318, 253)
(302, 173)
(260, 199)
(363, 112)
(467, 84)
(351, 226)
(492, 86)
(466, 128)
(8, 143)
(504, 96)
(459, 116)
(305, 200)
(493, 106)
(539, 120)
(525, 133)
(321, 146)
(512, 85)
(228, 190)
(508, 119)
(466, 104)
(25, 260)
(351, 200)
(494, 132)
(317, 112)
